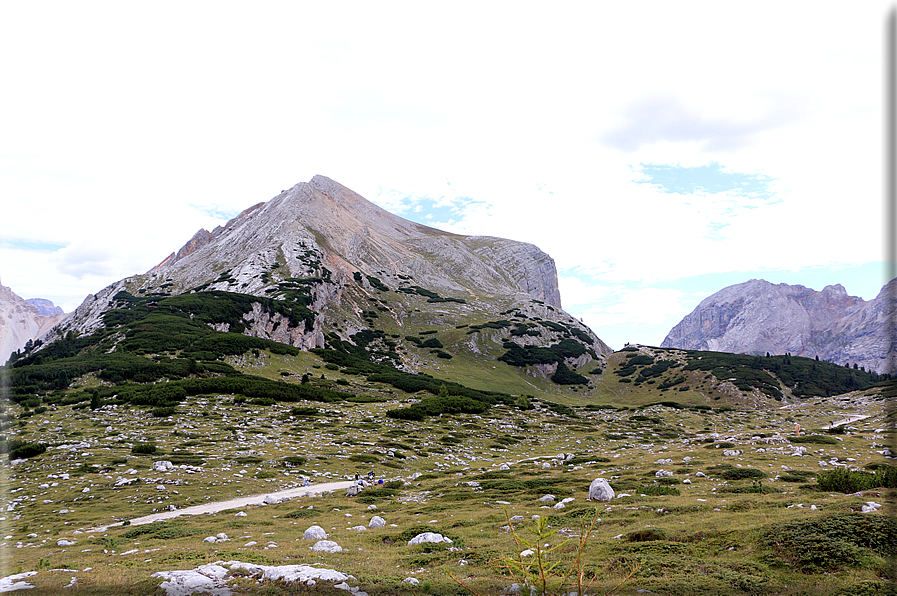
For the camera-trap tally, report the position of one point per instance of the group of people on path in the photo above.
(367, 481)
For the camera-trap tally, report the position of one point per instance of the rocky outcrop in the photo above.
(23, 320)
(757, 317)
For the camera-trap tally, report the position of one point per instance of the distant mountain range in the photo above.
(23, 320)
(325, 268)
(757, 317)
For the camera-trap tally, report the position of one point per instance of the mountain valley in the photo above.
(316, 338)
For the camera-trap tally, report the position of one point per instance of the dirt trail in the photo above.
(240, 502)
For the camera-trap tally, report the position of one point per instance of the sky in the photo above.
(658, 151)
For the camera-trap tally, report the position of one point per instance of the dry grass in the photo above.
(702, 541)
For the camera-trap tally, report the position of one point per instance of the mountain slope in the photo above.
(23, 320)
(756, 317)
(363, 277)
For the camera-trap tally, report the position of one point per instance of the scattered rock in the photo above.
(205, 578)
(377, 522)
(162, 466)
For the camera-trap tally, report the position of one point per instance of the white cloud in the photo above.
(135, 126)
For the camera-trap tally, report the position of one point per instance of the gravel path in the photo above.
(846, 421)
(238, 503)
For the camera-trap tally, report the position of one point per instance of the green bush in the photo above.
(852, 481)
(815, 439)
(27, 450)
(657, 490)
(144, 448)
(831, 542)
(302, 513)
(729, 472)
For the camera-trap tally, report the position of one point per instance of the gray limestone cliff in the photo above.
(756, 317)
(22, 320)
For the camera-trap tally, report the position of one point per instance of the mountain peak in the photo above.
(355, 267)
(757, 317)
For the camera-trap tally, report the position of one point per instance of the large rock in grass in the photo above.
(327, 546)
(429, 537)
(600, 490)
(314, 533)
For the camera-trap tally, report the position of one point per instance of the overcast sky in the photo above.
(658, 151)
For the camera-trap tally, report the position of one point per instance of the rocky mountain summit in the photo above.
(756, 317)
(23, 320)
(356, 267)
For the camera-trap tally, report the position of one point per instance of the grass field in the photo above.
(714, 526)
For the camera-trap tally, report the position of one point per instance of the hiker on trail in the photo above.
(371, 475)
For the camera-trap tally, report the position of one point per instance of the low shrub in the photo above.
(831, 542)
(852, 481)
(652, 490)
(646, 535)
(720, 445)
(364, 458)
(302, 513)
(729, 472)
(163, 412)
(27, 450)
(815, 439)
(144, 448)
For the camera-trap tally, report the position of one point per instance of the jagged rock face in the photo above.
(352, 234)
(45, 307)
(342, 246)
(22, 320)
(756, 317)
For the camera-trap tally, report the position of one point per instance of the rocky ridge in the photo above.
(756, 317)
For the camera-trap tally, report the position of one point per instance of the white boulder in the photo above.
(600, 490)
(428, 537)
(327, 546)
(377, 522)
(314, 533)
